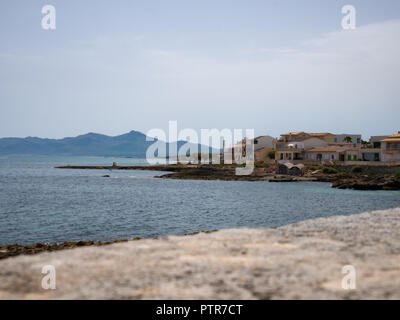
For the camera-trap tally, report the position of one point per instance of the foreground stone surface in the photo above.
(300, 261)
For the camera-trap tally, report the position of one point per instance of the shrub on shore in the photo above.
(329, 170)
(271, 155)
(357, 169)
(259, 164)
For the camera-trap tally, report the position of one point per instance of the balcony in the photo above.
(393, 147)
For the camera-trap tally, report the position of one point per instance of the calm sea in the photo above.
(41, 204)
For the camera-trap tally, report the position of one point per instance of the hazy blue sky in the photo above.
(275, 66)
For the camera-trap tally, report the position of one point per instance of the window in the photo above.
(349, 157)
(358, 140)
(393, 146)
(354, 157)
(335, 139)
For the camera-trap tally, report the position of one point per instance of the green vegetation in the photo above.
(397, 174)
(259, 164)
(366, 145)
(271, 154)
(348, 139)
(329, 170)
(357, 169)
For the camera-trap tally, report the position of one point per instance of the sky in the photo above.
(273, 66)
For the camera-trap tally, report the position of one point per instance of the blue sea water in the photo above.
(39, 203)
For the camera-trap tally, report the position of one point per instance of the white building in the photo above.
(341, 138)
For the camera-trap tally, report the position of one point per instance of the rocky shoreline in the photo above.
(299, 261)
(16, 249)
(343, 177)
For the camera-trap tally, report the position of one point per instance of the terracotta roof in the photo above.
(328, 149)
(319, 134)
(393, 138)
(292, 133)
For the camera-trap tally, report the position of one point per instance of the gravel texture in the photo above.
(299, 261)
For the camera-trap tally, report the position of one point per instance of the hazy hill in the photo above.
(92, 144)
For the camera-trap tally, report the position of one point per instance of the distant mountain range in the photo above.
(131, 144)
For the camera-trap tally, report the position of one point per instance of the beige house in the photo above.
(301, 135)
(348, 139)
(328, 137)
(332, 153)
(305, 146)
(263, 145)
(390, 148)
(295, 150)
(329, 153)
(262, 142)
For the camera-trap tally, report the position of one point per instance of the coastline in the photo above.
(13, 250)
(342, 177)
(298, 261)
(15, 245)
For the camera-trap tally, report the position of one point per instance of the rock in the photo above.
(299, 261)
(344, 177)
(368, 183)
(15, 249)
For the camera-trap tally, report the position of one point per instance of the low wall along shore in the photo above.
(300, 261)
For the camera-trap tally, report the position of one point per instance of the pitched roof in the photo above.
(393, 138)
(293, 133)
(328, 149)
(317, 134)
